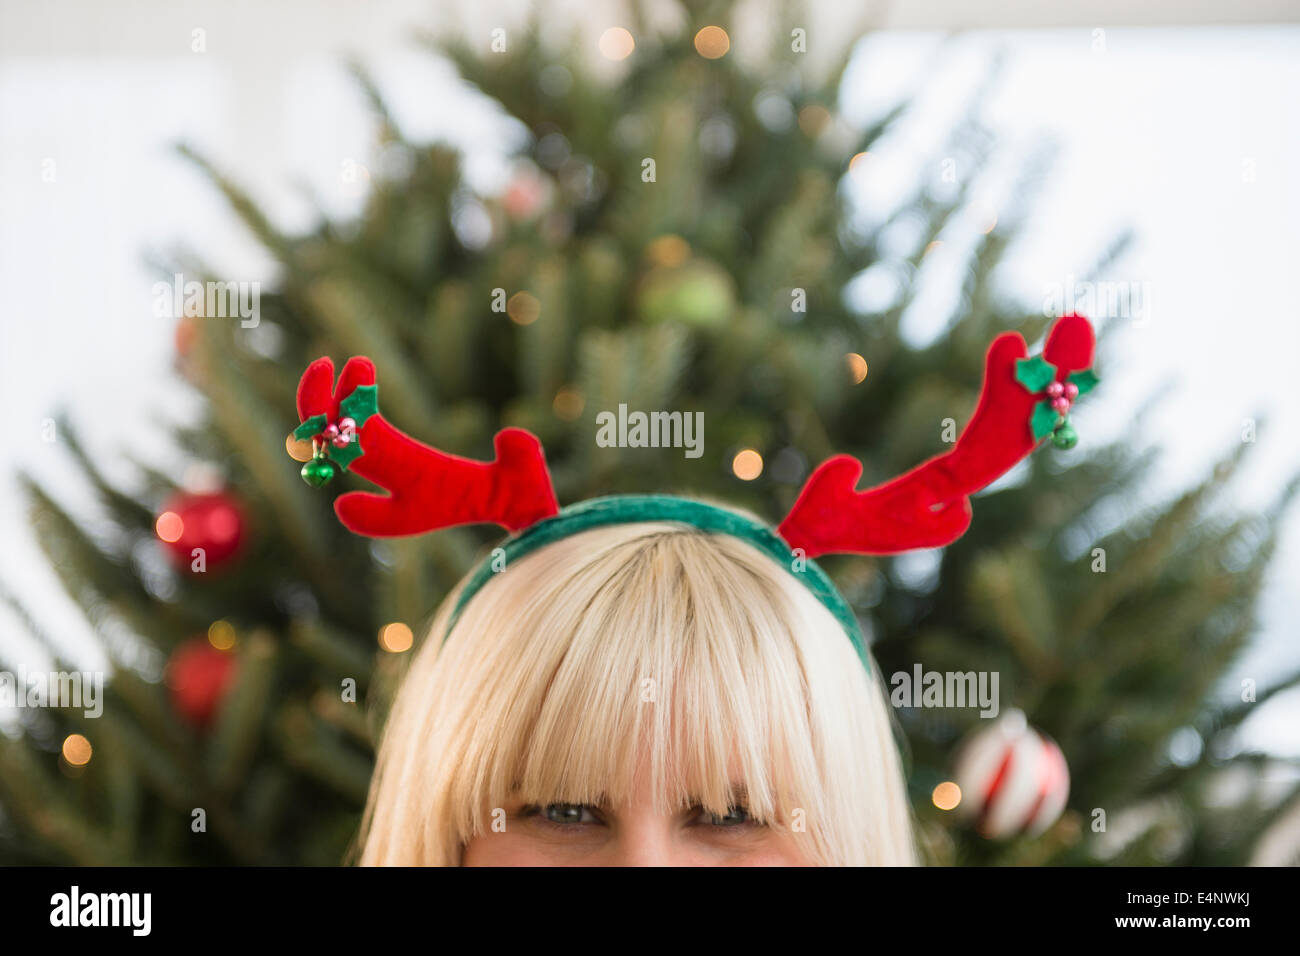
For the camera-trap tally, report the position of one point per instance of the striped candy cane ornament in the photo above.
(1013, 779)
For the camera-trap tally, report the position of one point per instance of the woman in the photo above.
(642, 693)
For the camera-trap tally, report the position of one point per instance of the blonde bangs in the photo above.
(641, 648)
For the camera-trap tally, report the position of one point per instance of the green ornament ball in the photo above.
(318, 471)
(699, 293)
(1065, 437)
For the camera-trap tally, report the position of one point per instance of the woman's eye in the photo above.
(734, 817)
(566, 813)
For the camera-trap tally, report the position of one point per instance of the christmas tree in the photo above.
(677, 238)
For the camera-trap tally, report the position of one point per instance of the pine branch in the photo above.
(314, 750)
(243, 206)
(366, 322)
(31, 795)
(1145, 560)
(243, 710)
(339, 654)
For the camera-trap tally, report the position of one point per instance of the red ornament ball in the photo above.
(201, 531)
(198, 676)
(1013, 779)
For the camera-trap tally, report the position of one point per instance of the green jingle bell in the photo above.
(318, 471)
(1064, 436)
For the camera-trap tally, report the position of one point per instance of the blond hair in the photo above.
(652, 641)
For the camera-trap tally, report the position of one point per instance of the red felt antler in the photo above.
(428, 488)
(929, 506)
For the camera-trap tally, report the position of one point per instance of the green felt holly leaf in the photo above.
(1043, 420)
(310, 428)
(1035, 373)
(347, 454)
(360, 405)
(1085, 381)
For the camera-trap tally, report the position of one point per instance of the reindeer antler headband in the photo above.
(1023, 401)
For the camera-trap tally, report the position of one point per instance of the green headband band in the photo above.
(626, 509)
